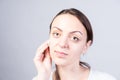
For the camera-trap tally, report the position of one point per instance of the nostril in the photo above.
(63, 43)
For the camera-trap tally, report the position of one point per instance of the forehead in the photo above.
(68, 22)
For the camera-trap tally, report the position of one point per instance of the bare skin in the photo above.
(66, 44)
(43, 62)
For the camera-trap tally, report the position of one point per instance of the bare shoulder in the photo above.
(97, 75)
(35, 78)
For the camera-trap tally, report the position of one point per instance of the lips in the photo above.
(60, 54)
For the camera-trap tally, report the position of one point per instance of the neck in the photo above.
(71, 72)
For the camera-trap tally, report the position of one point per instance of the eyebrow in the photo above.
(76, 32)
(57, 28)
(70, 32)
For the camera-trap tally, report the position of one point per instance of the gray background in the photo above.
(24, 25)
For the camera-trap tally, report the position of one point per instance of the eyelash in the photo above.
(56, 34)
(73, 38)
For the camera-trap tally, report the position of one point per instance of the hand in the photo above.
(43, 62)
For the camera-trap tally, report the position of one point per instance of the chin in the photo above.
(60, 62)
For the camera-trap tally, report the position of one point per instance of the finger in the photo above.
(41, 49)
(48, 60)
(39, 57)
(47, 53)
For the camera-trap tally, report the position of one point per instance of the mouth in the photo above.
(60, 54)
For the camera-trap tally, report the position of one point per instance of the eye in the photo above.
(56, 34)
(75, 38)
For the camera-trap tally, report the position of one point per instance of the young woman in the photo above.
(70, 37)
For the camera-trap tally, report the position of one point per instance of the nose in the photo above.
(63, 42)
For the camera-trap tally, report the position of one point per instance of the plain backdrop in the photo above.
(24, 25)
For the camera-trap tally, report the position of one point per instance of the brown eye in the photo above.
(56, 34)
(75, 38)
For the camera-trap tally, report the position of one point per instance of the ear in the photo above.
(87, 45)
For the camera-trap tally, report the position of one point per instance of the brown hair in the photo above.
(84, 20)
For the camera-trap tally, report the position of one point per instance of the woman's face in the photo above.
(67, 40)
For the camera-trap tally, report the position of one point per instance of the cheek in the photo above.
(52, 42)
(77, 50)
(52, 45)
